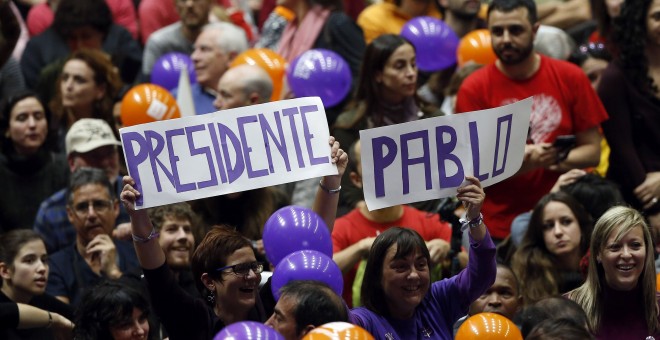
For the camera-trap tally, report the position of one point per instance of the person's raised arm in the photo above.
(472, 196)
(145, 239)
(327, 195)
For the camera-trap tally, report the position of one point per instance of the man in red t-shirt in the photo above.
(354, 232)
(564, 104)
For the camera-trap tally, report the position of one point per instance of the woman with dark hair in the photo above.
(88, 87)
(619, 295)
(385, 95)
(224, 266)
(30, 172)
(629, 91)
(548, 259)
(399, 300)
(112, 311)
(24, 272)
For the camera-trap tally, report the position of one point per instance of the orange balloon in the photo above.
(488, 326)
(270, 61)
(338, 331)
(146, 103)
(657, 282)
(476, 46)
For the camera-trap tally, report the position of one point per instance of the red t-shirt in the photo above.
(564, 104)
(353, 227)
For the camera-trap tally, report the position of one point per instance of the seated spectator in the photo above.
(224, 265)
(548, 259)
(385, 95)
(503, 297)
(25, 272)
(88, 87)
(303, 306)
(619, 295)
(243, 85)
(112, 311)
(41, 16)
(179, 36)
(92, 209)
(595, 193)
(389, 16)
(178, 228)
(354, 233)
(215, 49)
(30, 172)
(90, 143)
(552, 308)
(79, 24)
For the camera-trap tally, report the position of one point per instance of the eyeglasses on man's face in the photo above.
(243, 269)
(99, 206)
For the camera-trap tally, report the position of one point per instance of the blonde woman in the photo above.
(619, 295)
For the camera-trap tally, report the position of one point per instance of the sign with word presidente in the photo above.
(429, 158)
(228, 151)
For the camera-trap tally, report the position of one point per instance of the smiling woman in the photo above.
(399, 300)
(619, 295)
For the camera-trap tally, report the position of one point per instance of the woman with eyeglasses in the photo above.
(224, 266)
(30, 172)
(629, 90)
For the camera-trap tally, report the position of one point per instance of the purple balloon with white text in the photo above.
(248, 330)
(434, 41)
(307, 265)
(322, 73)
(166, 71)
(293, 228)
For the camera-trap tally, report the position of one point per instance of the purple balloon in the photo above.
(248, 330)
(435, 42)
(322, 73)
(167, 68)
(295, 228)
(307, 265)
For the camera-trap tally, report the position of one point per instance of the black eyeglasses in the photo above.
(243, 269)
(100, 207)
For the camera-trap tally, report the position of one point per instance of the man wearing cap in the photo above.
(89, 143)
(92, 208)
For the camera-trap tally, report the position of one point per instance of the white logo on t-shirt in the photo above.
(545, 119)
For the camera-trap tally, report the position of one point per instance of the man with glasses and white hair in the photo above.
(92, 208)
(214, 50)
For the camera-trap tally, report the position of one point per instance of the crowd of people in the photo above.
(566, 247)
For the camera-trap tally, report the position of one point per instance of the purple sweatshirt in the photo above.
(446, 301)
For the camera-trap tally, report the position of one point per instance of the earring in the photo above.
(211, 297)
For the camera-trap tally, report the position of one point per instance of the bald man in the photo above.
(243, 85)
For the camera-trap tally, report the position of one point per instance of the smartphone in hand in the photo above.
(564, 144)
